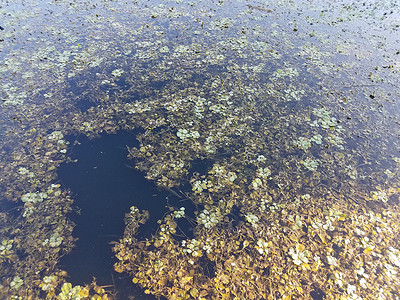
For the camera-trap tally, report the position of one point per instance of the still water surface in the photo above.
(205, 150)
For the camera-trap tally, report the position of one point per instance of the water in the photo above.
(274, 124)
(104, 188)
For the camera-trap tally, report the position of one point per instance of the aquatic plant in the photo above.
(310, 164)
(286, 113)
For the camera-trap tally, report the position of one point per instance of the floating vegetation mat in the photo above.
(291, 108)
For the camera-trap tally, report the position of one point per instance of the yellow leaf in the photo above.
(203, 293)
(51, 295)
(163, 281)
(194, 292)
(135, 280)
(301, 247)
(322, 238)
(84, 292)
(186, 279)
(66, 287)
(224, 279)
(315, 267)
(367, 250)
(118, 268)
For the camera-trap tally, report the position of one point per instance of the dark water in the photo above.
(105, 188)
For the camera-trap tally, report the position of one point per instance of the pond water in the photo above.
(199, 150)
(104, 189)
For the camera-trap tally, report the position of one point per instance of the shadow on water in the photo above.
(104, 188)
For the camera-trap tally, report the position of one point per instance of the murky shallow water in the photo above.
(276, 122)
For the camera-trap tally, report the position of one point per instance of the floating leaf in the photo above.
(194, 293)
(224, 279)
